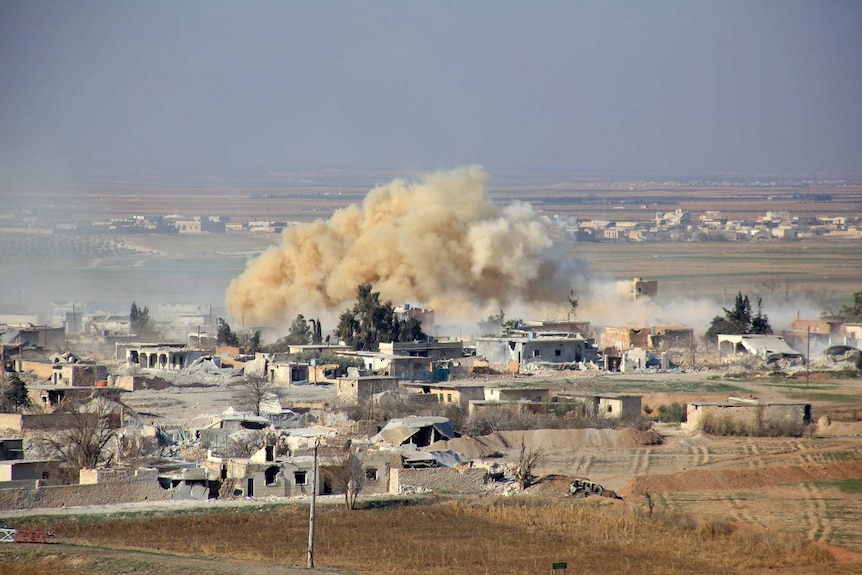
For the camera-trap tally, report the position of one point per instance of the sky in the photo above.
(234, 88)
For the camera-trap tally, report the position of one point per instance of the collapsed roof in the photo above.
(765, 346)
(420, 431)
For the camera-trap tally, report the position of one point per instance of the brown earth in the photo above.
(79, 559)
(556, 439)
(735, 479)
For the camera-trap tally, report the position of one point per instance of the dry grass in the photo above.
(21, 562)
(493, 536)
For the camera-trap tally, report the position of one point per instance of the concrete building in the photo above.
(34, 336)
(217, 435)
(766, 347)
(424, 316)
(739, 416)
(362, 388)
(638, 287)
(521, 399)
(202, 224)
(449, 393)
(165, 356)
(617, 406)
(105, 324)
(559, 328)
(71, 373)
(818, 334)
(651, 338)
(415, 430)
(433, 350)
(18, 472)
(517, 393)
(624, 338)
(287, 373)
(511, 352)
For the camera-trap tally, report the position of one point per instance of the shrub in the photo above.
(675, 412)
(759, 426)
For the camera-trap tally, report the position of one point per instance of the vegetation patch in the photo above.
(496, 536)
(853, 486)
(759, 426)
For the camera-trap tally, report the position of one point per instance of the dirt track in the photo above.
(102, 560)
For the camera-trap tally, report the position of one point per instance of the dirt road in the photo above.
(98, 561)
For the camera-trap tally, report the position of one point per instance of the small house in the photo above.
(362, 388)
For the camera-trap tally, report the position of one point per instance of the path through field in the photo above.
(98, 560)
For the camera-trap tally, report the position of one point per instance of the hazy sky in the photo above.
(242, 87)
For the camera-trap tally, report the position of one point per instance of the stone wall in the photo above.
(128, 491)
(19, 422)
(439, 480)
(13, 421)
(765, 419)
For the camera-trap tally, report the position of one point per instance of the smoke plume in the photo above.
(440, 242)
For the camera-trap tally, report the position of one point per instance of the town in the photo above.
(111, 420)
(430, 288)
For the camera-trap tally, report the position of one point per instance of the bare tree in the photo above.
(87, 430)
(347, 475)
(252, 392)
(245, 444)
(134, 449)
(527, 462)
(573, 305)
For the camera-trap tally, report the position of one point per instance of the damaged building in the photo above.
(765, 347)
(415, 430)
(649, 338)
(164, 356)
(362, 388)
(741, 416)
(513, 352)
(454, 393)
(217, 435)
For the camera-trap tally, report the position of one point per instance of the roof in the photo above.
(748, 403)
(766, 345)
(312, 432)
(399, 430)
(454, 385)
(447, 458)
(28, 461)
(13, 336)
(575, 338)
(369, 378)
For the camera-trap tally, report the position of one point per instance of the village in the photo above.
(679, 225)
(120, 418)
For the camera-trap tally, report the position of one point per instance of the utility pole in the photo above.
(310, 561)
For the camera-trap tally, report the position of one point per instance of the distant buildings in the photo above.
(712, 225)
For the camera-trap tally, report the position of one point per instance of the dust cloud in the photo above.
(439, 241)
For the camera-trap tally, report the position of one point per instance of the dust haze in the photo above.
(439, 241)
